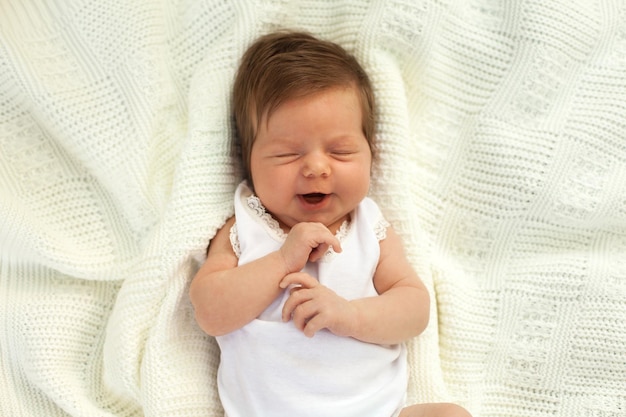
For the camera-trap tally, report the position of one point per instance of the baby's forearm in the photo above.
(393, 317)
(226, 300)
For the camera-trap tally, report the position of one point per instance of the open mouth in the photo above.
(314, 198)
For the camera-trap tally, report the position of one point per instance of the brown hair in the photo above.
(285, 65)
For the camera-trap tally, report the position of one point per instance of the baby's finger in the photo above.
(327, 239)
(300, 279)
(313, 325)
(297, 297)
(335, 244)
(317, 253)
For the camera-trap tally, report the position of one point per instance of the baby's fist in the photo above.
(307, 242)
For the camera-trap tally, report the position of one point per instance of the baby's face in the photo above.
(310, 161)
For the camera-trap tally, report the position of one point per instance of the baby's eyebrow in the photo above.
(345, 139)
(342, 139)
(283, 141)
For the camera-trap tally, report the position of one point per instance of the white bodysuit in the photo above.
(270, 368)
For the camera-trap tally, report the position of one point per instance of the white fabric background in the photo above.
(502, 165)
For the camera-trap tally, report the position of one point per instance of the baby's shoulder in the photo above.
(371, 214)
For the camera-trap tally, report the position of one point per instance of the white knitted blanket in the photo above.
(502, 165)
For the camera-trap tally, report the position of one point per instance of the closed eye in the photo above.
(285, 158)
(343, 154)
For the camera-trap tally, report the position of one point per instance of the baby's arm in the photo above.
(400, 312)
(402, 309)
(226, 296)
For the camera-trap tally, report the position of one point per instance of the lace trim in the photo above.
(254, 204)
(341, 234)
(343, 230)
(380, 229)
(257, 209)
(234, 240)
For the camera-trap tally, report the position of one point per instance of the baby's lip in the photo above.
(313, 198)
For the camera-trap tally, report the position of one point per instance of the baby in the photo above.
(307, 288)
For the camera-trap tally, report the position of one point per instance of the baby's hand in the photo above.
(313, 306)
(307, 242)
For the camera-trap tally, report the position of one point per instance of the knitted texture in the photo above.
(501, 163)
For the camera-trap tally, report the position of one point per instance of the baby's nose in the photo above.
(316, 165)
